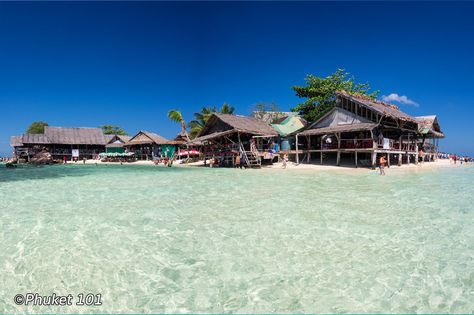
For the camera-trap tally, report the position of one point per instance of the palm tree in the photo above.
(227, 109)
(200, 118)
(176, 116)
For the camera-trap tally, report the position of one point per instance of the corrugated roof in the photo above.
(289, 125)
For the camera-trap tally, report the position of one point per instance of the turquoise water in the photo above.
(153, 239)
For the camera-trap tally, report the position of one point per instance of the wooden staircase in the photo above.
(251, 158)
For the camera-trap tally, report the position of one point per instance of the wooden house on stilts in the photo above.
(359, 129)
(226, 136)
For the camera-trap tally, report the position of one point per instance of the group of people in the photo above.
(454, 158)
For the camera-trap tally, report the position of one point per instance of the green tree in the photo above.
(320, 93)
(200, 118)
(37, 127)
(176, 116)
(113, 130)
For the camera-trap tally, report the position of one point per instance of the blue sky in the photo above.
(87, 64)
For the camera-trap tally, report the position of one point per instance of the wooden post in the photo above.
(388, 159)
(309, 148)
(374, 157)
(297, 153)
(399, 159)
(356, 158)
(321, 151)
(338, 149)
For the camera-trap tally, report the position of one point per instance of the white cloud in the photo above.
(402, 99)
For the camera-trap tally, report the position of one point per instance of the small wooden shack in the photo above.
(146, 145)
(116, 143)
(226, 136)
(430, 131)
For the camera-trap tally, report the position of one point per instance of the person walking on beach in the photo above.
(382, 162)
(284, 162)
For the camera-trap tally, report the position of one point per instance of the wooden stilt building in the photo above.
(357, 130)
(226, 136)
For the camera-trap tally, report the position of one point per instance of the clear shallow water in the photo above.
(199, 240)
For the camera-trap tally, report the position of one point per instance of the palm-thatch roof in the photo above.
(146, 137)
(222, 124)
(181, 138)
(34, 138)
(63, 135)
(385, 109)
(117, 141)
(15, 141)
(429, 125)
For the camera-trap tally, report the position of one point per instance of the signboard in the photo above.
(386, 143)
(75, 152)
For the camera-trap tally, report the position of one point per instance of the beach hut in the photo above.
(360, 128)
(225, 136)
(116, 143)
(430, 130)
(146, 145)
(63, 142)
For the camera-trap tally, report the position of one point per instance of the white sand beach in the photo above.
(291, 166)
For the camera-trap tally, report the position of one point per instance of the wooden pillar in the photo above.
(338, 149)
(356, 158)
(309, 147)
(321, 153)
(297, 153)
(399, 159)
(374, 157)
(388, 159)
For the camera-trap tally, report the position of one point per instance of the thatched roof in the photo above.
(220, 124)
(181, 138)
(146, 137)
(34, 138)
(339, 128)
(429, 125)
(15, 141)
(62, 135)
(114, 138)
(383, 108)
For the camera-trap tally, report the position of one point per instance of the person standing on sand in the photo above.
(284, 162)
(382, 165)
(237, 162)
